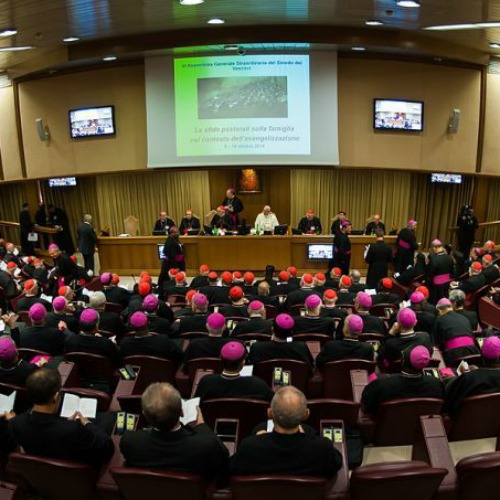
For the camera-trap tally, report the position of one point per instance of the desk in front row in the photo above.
(130, 255)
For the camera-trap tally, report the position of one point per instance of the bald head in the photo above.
(355, 276)
(289, 408)
(162, 405)
(87, 218)
(263, 288)
(266, 210)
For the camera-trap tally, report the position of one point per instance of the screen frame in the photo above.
(49, 182)
(96, 135)
(411, 101)
(308, 246)
(432, 174)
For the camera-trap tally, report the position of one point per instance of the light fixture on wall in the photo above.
(42, 130)
(454, 121)
(408, 3)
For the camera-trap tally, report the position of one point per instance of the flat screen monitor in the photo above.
(446, 178)
(398, 114)
(319, 251)
(62, 182)
(281, 229)
(92, 122)
(161, 251)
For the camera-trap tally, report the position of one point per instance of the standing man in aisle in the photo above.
(378, 258)
(342, 248)
(26, 227)
(233, 206)
(406, 244)
(174, 255)
(467, 225)
(86, 240)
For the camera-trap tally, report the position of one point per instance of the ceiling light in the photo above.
(495, 45)
(467, 26)
(216, 20)
(373, 22)
(495, 24)
(408, 3)
(15, 49)
(359, 49)
(70, 39)
(191, 2)
(231, 47)
(109, 58)
(8, 32)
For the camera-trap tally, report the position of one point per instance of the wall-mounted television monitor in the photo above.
(446, 178)
(62, 182)
(398, 114)
(319, 251)
(92, 122)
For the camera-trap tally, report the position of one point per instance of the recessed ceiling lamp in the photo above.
(70, 39)
(411, 4)
(8, 32)
(109, 58)
(495, 45)
(15, 49)
(191, 2)
(359, 49)
(216, 20)
(373, 22)
(231, 47)
(465, 26)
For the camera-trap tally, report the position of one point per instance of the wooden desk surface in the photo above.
(131, 255)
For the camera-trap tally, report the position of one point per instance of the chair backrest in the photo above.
(399, 290)
(271, 311)
(131, 403)
(471, 359)
(299, 371)
(398, 421)
(176, 299)
(396, 480)
(371, 337)
(253, 336)
(153, 369)
(249, 412)
(295, 309)
(24, 317)
(489, 312)
(56, 479)
(92, 366)
(22, 402)
(113, 307)
(332, 409)
(29, 354)
(214, 364)
(13, 302)
(131, 224)
(471, 303)
(478, 476)
(103, 399)
(337, 377)
(278, 487)
(322, 338)
(139, 483)
(94, 285)
(478, 418)
(381, 310)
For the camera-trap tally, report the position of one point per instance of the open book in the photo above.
(189, 410)
(7, 402)
(73, 403)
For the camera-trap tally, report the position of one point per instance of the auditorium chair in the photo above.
(217, 307)
(94, 368)
(131, 224)
(397, 421)
(380, 310)
(247, 337)
(411, 480)
(153, 369)
(29, 354)
(337, 377)
(193, 335)
(471, 359)
(10, 491)
(479, 477)
(140, 483)
(69, 374)
(24, 317)
(249, 412)
(236, 319)
(103, 399)
(278, 487)
(471, 302)
(296, 309)
(371, 337)
(13, 302)
(478, 417)
(22, 402)
(192, 365)
(176, 301)
(271, 311)
(94, 285)
(114, 307)
(322, 338)
(332, 409)
(431, 446)
(299, 371)
(489, 312)
(55, 479)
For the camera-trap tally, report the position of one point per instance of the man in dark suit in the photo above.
(211, 345)
(310, 224)
(189, 223)
(163, 224)
(378, 258)
(26, 227)
(198, 321)
(87, 240)
(287, 449)
(257, 322)
(173, 255)
(40, 431)
(169, 445)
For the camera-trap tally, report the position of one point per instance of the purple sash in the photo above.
(441, 279)
(404, 244)
(458, 342)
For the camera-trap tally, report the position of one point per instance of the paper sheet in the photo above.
(7, 402)
(72, 403)
(189, 410)
(247, 371)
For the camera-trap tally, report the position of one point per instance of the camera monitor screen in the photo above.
(319, 251)
(92, 122)
(161, 252)
(395, 114)
(62, 182)
(446, 178)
